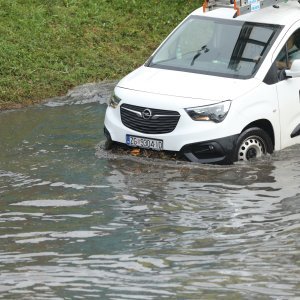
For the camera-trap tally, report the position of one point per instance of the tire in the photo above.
(253, 143)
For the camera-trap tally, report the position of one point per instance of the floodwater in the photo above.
(79, 223)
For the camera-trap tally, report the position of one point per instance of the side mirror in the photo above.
(294, 70)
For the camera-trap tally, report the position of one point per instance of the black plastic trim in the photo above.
(106, 133)
(296, 131)
(108, 143)
(219, 151)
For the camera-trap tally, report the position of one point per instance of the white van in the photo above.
(219, 89)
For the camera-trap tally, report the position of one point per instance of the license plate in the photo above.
(143, 142)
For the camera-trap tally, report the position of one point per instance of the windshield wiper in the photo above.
(203, 49)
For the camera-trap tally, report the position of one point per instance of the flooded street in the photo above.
(79, 223)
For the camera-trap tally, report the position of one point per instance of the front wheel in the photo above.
(253, 143)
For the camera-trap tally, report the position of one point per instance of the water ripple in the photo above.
(80, 223)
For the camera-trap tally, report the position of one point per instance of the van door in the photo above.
(288, 90)
(289, 108)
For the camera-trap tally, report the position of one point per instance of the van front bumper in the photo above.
(218, 151)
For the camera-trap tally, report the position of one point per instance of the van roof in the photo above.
(287, 14)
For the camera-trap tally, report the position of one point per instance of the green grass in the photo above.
(49, 46)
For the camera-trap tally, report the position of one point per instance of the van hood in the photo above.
(186, 85)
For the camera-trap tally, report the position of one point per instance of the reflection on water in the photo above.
(79, 223)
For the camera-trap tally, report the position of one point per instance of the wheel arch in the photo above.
(265, 125)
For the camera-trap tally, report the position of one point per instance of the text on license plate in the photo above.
(142, 142)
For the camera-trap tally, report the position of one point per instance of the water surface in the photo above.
(77, 222)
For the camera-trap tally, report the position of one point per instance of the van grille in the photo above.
(149, 120)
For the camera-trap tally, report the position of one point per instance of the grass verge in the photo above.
(49, 46)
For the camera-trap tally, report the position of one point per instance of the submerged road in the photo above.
(77, 222)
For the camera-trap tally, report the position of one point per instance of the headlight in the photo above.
(215, 113)
(114, 101)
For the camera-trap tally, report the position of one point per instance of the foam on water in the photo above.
(47, 203)
(84, 94)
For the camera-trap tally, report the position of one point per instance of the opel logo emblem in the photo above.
(147, 114)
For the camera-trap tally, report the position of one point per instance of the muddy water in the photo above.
(79, 223)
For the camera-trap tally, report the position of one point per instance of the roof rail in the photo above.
(241, 6)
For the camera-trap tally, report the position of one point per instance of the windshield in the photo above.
(227, 48)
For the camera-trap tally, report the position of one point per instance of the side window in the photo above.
(289, 52)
